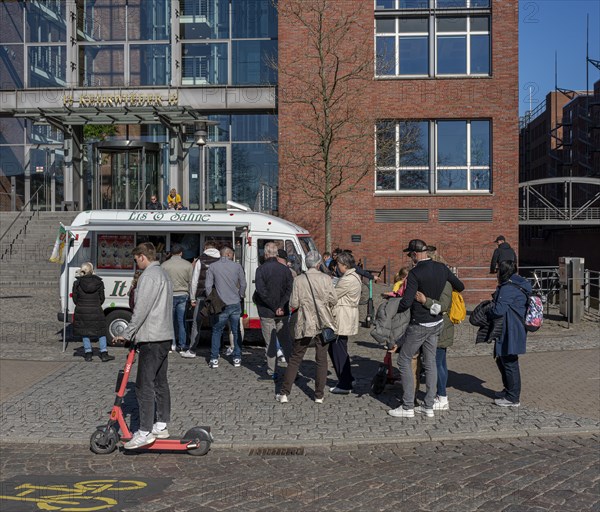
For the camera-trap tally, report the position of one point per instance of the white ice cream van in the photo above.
(106, 238)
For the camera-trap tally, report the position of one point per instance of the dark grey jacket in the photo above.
(390, 325)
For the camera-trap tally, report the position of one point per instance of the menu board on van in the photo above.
(114, 252)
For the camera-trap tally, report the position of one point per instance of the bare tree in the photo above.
(330, 132)
(322, 86)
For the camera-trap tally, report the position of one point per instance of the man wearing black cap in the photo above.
(503, 252)
(428, 277)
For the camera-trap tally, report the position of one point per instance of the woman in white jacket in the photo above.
(348, 290)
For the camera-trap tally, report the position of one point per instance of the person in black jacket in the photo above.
(504, 252)
(274, 284)
(88, 320)
(428, 277)
(154, 204)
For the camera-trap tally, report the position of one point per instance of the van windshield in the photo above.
(307, 244)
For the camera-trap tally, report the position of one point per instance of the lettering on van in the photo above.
(168, 216)
(119, 289)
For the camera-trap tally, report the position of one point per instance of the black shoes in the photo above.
(88, 357)
(105, 357)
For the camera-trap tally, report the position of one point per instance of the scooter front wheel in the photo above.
(104, 441)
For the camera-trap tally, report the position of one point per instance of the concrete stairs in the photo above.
(26, 249)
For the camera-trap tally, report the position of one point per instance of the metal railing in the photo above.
(23, 229)
(143, 194)
(563, 214)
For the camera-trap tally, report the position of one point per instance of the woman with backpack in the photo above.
(509, 302)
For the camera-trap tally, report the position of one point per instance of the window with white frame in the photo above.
(428, 38)
(433, 156)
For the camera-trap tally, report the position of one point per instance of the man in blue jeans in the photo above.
(229, 281)
(180, 273)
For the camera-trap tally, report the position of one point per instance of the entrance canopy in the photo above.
(63, 117)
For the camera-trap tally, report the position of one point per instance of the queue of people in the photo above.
(294, 310)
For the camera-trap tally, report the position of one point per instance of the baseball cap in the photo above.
(416, 246)
(500, 238)
(282, 253)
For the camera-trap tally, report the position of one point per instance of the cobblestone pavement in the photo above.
(512, 475)
(561, 390)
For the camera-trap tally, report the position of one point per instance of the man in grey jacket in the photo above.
(152, 327)
(228, 278)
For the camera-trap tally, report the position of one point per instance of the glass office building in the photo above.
(107, 102)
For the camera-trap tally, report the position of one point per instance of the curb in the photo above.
(342, 443)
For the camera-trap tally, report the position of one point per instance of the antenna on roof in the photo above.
(232, 205)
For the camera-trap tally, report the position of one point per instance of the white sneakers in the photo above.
(440, 403)
(401, 412)
(503, 402)
(421, 409)
(187, 354)
(160, 433)
(237, 362)
(139, 440)
(229, 350)
(281, 398)
(319, 400)
(213, 363)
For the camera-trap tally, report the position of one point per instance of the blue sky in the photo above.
(549, 26)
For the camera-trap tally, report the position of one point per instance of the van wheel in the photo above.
(117, 321)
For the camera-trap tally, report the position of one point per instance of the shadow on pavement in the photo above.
(468, 384)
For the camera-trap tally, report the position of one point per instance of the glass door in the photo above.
(126, 177)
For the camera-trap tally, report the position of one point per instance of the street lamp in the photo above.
(200, 140)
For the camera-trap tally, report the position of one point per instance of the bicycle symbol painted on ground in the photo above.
(84, 496)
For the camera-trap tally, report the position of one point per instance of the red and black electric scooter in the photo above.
(196, 441)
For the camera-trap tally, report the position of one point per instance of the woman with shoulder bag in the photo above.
(310, 291)
(348, 290)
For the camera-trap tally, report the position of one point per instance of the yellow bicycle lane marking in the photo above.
(73, 496)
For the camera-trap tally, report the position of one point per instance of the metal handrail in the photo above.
(21, 212)
(141, 195)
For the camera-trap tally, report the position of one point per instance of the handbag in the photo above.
(327, 334)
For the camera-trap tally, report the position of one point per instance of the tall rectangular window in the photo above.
(432, 40)
(204, 64)
(102, 65)
(150, 64)
(433, 156)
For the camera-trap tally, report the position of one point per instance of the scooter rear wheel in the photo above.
(202, 436)
(203, 449)
(103, 442)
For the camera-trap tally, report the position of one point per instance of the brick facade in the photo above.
(462, 244)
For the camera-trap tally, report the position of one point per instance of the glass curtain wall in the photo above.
(228, 42)
(240, 163)
(124, 43)
(33, 54)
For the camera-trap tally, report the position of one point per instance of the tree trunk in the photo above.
(328, 208)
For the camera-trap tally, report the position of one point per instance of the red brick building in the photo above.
(447, 72)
